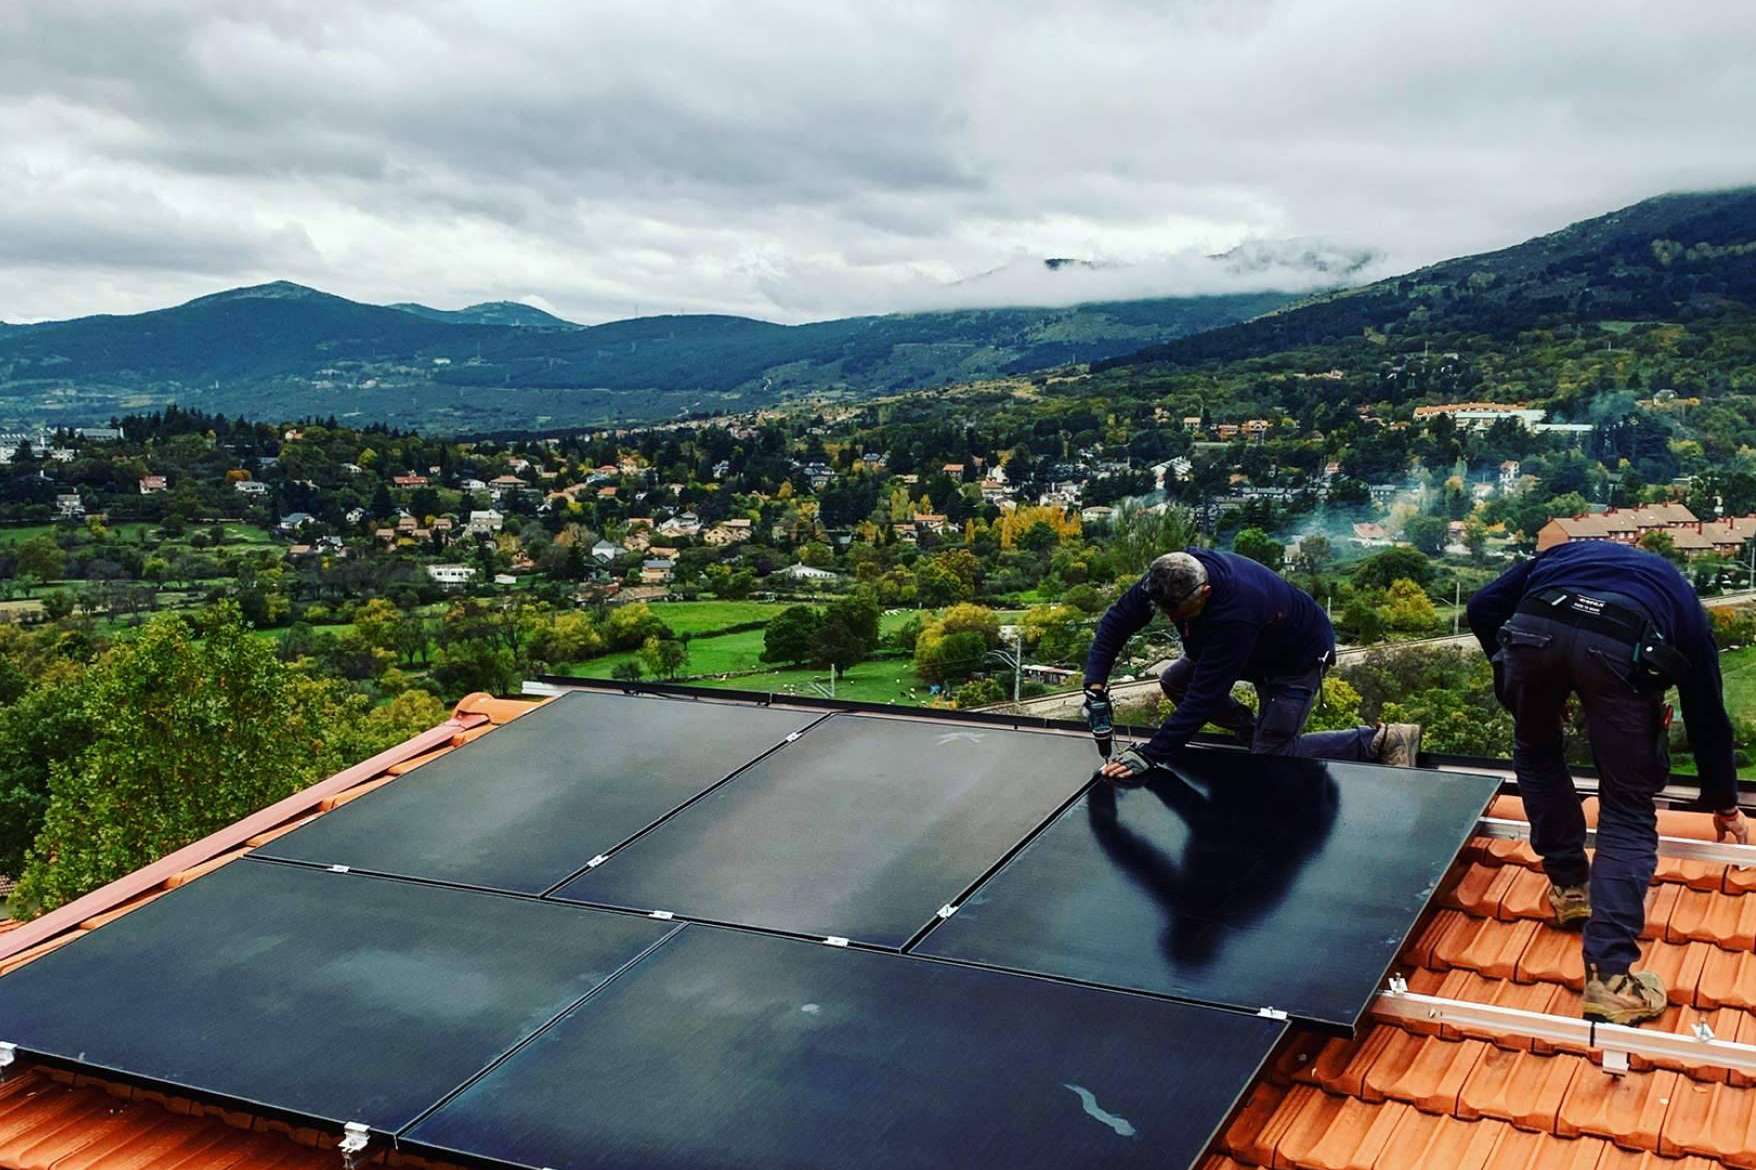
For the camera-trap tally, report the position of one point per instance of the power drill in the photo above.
(1100, 716)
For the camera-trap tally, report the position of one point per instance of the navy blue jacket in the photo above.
(1653, 583)
(1255, 626)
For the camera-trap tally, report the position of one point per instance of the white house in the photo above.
(69, 504)
(485, 523)
(251, 487)
(606, 550)
(451, 576)
(807, 573)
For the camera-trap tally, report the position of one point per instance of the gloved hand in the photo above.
(1731, 825)
(1130, 765)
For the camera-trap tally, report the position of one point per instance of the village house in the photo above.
(728, 532)
(606, 551)
(409, 481)
(69, 505)
(250, 487)
(485, 523)
(451, 576)
(151, 485)
(656, 571)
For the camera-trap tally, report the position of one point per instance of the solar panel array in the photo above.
(600, 933)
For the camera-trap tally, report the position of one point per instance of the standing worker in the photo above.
(1238, 620)
(1616, 626)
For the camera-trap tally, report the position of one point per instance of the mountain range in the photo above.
(282, 350)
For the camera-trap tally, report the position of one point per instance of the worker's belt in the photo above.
(1656, 662)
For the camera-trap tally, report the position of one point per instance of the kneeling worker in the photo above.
(1616, 626)
(1238, 620)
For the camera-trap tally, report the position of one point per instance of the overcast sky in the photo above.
(802, 160)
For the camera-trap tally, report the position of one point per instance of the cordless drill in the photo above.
(1100, 716)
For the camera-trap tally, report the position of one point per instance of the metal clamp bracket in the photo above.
(356, 1136)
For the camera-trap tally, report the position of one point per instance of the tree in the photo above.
(792, 635)
(1259, 547)
(1315, 553)
(1660, 542)
(1360, 622)
(188, 730)
(1427, 533)
(664, 657)
(1408, 608)
(40, 559)
(1380, 569)
(849, 631)
(1140, 534)
(58, 604)
(45, 725)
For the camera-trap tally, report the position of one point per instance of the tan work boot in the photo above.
(1572, 906)
(1398, 744)
(1628, 998)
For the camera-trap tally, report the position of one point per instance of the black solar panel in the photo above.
(336, 996)
(723, 1048)
(1244, 880)
(525, 808)
(863, 829)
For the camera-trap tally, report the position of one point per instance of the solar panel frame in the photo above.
(1240, 881)
(334, 997)
(733, 1048)
(527, 808)
(788, 847)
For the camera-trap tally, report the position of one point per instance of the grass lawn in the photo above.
(692, 617)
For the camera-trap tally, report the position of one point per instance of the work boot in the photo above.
(1571, 904)
(1397, 744)
(1628, 998)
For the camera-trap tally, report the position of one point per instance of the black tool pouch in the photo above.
(1658, 664)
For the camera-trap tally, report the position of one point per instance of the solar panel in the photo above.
(525, 808)
(340, 997)
(863, 829)
(1242, 880)
(723, 1048)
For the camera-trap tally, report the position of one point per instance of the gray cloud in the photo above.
(794, 160)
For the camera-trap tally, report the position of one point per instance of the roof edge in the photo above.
(234, 835)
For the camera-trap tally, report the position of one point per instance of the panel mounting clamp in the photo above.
(356, 1135)
(8, 1055)
(597, 861)
(835, 940)
(338, 869)
(1270, 1013)
(947, 910)
(662, 915)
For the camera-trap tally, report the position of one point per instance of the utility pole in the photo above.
(1017, 663)
(832, 680)
(1456, 604)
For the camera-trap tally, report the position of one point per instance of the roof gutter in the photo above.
(231, 837)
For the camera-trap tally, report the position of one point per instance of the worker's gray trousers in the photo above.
(1285, 703)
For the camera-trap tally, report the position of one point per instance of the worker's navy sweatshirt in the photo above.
(1255, 626)
(1598, 567)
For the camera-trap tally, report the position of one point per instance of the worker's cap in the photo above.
(1174, 578)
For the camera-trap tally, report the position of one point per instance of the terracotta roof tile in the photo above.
(1425, 1071)
(1728, 978)
(1520, 1087)
(1520, 1150)
(1243, 1138)
(1341, 1065)
(1480, 889)
(1713, 1121)
(1619, 1159)
(1336, 1133)
(1628, 1109)
(1485, 945)
(1424, 1142)
(1709, 916)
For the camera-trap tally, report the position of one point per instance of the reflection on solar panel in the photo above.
(861, 829)
(336, 996)
(527, 807)
(1244, 880)
(723, 1048)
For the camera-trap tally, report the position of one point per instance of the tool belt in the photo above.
(1654, 658)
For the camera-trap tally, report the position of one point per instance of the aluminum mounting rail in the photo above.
(1617, 1043)
(1683, 848)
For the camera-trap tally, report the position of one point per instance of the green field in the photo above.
(693, 617)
